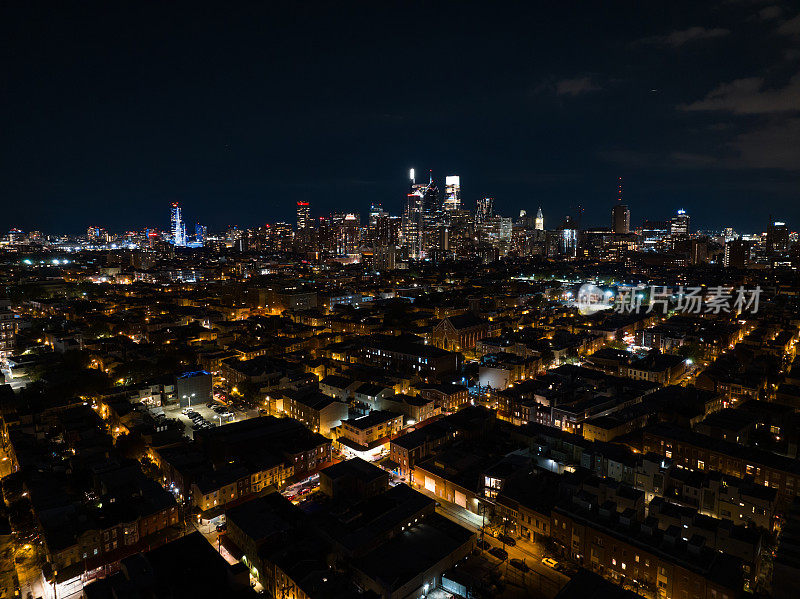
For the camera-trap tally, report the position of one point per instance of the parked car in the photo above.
(499, 553)
(508, 540)
(519, 564)
(550, 562)
(568, 569)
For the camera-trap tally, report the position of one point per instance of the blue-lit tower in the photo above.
(177, 226)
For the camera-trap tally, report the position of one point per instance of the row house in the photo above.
(448, 397)
(641, 556)
(699, 452)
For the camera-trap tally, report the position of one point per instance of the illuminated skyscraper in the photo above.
(777, 238)
(568, 238)
(200, 232)
(421, 213)
(737, 253)
(679, 224)
(346, 231)
(485, 209)
(412, 222)
(432, 208)
(379, 227)
(303, 215)
(452, 193)
(177, 226)
(539, 222)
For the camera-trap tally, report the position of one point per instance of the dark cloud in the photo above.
(684, 36)
(770, 12)
(772, 145)
(750, 96)
(790, 27)
(575, 87)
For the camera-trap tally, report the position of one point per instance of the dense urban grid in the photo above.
(447, 402)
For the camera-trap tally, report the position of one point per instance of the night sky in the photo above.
(112, 111)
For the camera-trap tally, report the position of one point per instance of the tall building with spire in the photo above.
(413, 218)
(538, 224)
(177, 226)
(431, 206)
(620, 214)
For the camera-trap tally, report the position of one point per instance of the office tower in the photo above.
(653, 233)
(281, 237)
(346, 232)
(698, 250)
(432, 218)
(324, 235)
(621, 219)
(777, 239)
(568, 239)
(15, 236)
(376, 216)
(200, 233)
(452, 193)
(485, 209)
(375, 211)
(525, 220)
(303, 215)
(412, 224)
(413, 218)
(496, 232)
(382, 229)
(93, 234)
(737, 253)
(539, 222)
(177, 226)
(679, 225)
(620, 214)
(393, 225)
(461, 232)
(432, 208)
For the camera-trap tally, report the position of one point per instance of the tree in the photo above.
(691, 351)
(131, 446)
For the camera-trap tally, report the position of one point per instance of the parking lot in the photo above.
(206, 416)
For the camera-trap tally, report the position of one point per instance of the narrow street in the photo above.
(542, 579)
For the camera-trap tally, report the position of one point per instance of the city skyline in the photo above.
(621, 221)
(694, 107)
